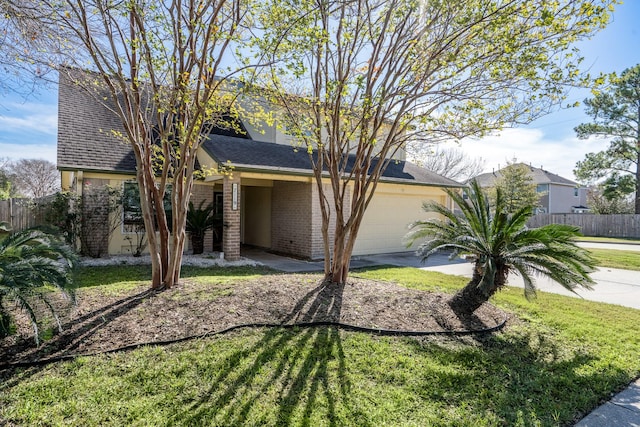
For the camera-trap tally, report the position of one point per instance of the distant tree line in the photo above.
(29, 178)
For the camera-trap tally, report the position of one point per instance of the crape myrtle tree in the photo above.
(19, 33)
(357, 79)
(616, 116)
(29, 45)
(161, 67)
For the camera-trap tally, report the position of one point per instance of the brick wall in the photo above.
(291, 226)
(231, 227)
(317, 245)
(198, 194)
(296, 219)
(95, 232)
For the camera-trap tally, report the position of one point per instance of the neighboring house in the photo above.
(557, 194)
(270, 200)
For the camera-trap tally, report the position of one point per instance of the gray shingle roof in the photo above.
(85, 138)
(246, 154)
(538, 176)
(86, 141)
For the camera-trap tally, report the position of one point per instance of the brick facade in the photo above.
(231, 225)
(317, 245)
(95, 224)
(291, 218)
(296, 219)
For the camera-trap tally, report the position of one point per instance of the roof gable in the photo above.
(86, 133)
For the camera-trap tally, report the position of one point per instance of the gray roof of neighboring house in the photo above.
(86, 142)
(538, 176)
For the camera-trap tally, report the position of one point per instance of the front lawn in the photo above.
(608, 239)
(557, 359)
(627, 260)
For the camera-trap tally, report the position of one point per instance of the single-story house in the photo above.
(557, 194)
(269, 201)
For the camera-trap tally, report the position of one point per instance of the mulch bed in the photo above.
(100, 322)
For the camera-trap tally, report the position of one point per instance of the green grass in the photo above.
(627, 260)
(608, 239)
(559, 360)
(114, 279)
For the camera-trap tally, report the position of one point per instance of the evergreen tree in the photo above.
(517, 188)
(616, 115)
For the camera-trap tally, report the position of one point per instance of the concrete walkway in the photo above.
(622, 410)
(621, 287)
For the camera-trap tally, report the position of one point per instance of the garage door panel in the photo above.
(386, 222)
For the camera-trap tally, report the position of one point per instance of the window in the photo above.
(576, 192)
(132, 221)
(131, 210)
(542, 188)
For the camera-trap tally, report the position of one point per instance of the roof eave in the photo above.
(70, 168)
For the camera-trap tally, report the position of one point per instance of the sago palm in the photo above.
(199, 221)
(31, 260)
(500, 243)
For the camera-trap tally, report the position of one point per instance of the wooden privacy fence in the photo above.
(593, 225)
(19, 213)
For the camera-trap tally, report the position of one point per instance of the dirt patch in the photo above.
(101, 322)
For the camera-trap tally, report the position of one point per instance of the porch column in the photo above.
(231, 212)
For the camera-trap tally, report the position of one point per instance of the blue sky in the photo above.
(28, 126)
(550, 142)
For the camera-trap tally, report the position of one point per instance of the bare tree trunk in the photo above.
(637, 204)
(180, 196)
(341, 259)
(146, 201)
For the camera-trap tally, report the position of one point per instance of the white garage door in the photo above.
(387, 219)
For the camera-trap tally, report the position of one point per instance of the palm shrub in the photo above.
(500, 243)
(199, 221)
(31, 261)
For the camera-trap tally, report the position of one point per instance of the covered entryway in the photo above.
(256, 213)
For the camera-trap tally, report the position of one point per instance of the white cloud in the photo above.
(29, 118)
(532, 146)
(31, 151)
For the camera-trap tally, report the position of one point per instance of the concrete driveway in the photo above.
(615, 286)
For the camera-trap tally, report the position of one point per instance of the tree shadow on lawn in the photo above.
(302, 376)
(75, 332)
(66, 342)
(521, 378)
(296, 368)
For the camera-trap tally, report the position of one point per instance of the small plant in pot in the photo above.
(199, 221)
